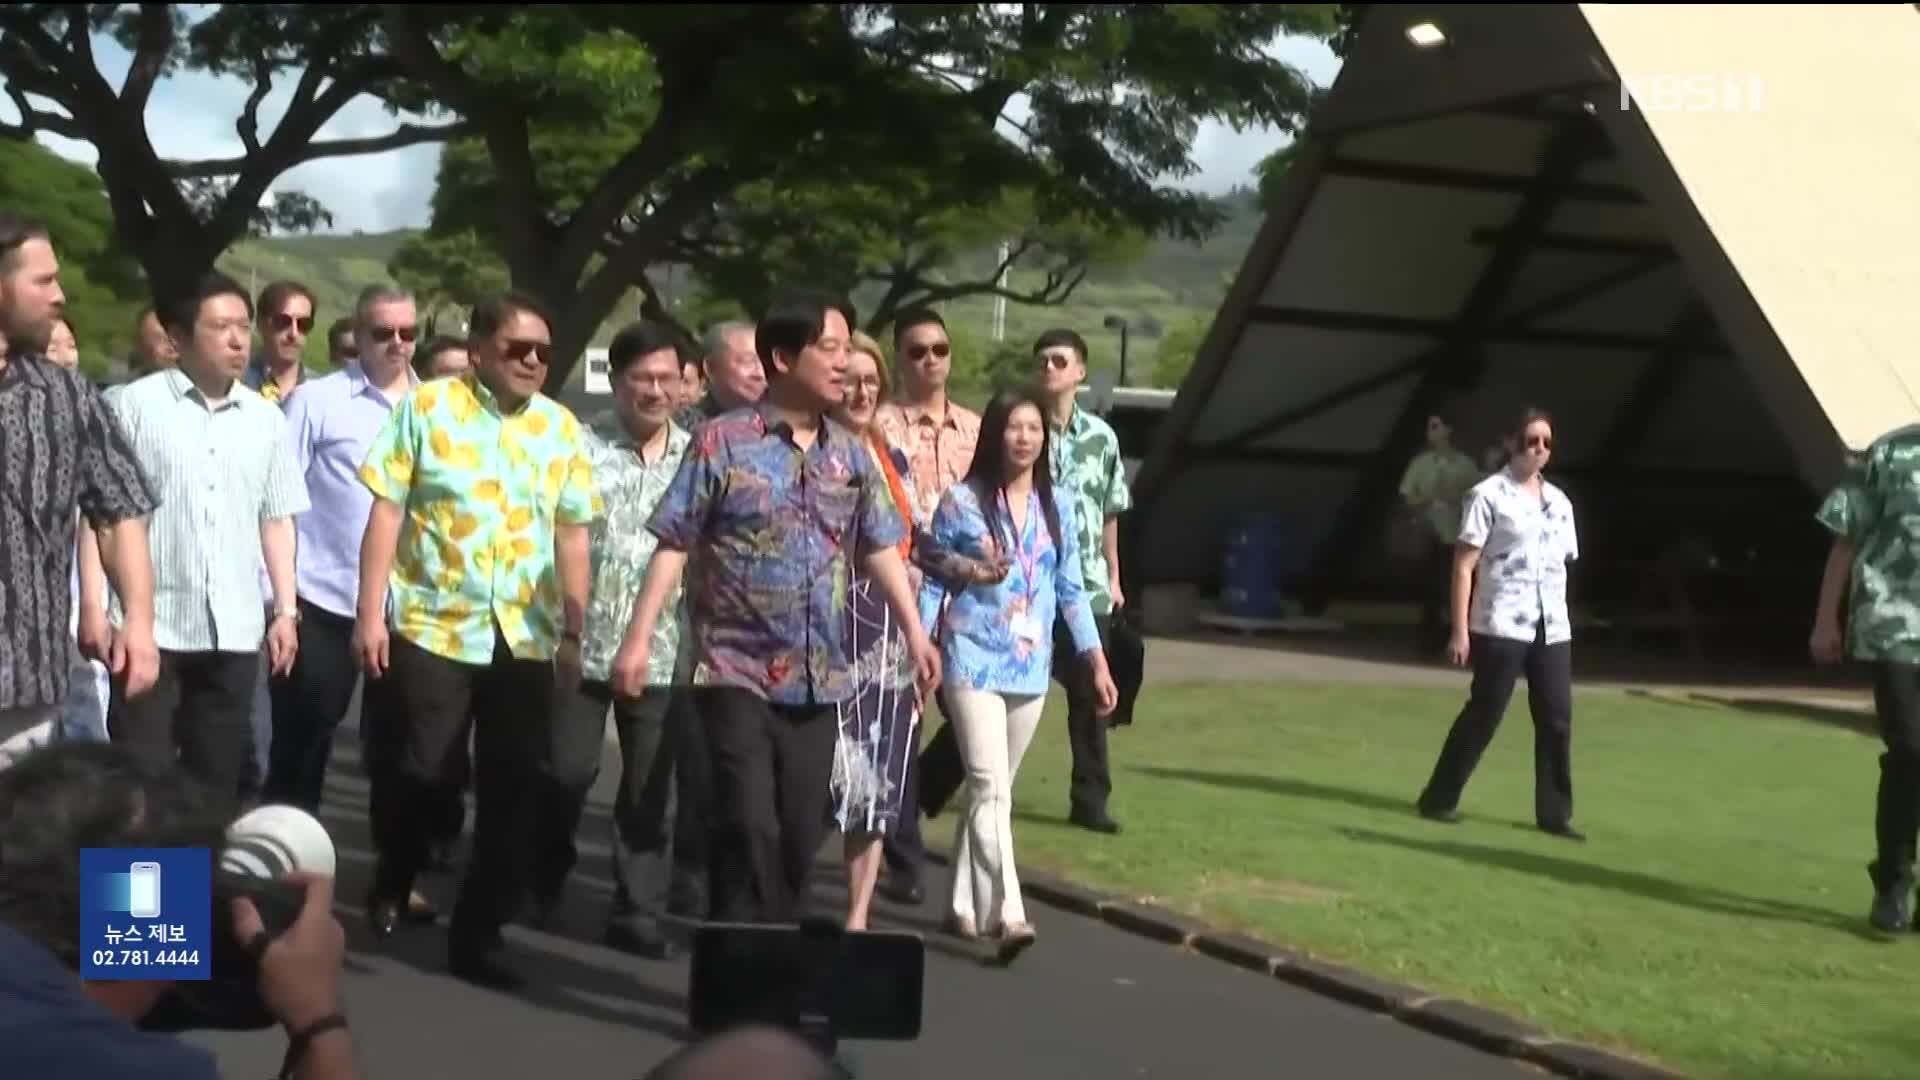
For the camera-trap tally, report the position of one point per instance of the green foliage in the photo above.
(448, 273)
(104, 288)
(1174, 358)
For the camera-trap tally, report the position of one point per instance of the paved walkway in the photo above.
(1086, 1001)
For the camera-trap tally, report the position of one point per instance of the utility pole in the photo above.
(1000, 301)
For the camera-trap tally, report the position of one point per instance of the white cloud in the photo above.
(191, 116)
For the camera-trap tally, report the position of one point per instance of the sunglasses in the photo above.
(1056, 361)
(939, 349)
(1539, 442)
(383, 334)
(283, 321)
(519, 350)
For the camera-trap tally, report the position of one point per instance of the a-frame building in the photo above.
(1692, 232)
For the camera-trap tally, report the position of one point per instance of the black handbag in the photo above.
(1126, 663)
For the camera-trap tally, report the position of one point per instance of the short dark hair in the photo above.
(183, 310)
(495, 311)
(638, 340)
(274, 297)
(795, 320)
(16, 230)
(432, 347)
(1528, 417)
(73, 795)
(913, 317)
(1061, 336)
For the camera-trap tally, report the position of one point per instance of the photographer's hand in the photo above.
(300, 978)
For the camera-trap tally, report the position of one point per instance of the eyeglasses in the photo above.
(1539, 442)
(1057, 361)
(383, 334)
(939, 349)
(282, 321)
(541, 351)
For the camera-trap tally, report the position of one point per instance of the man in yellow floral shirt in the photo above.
(473, 593)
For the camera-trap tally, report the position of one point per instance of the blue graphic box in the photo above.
(146, 914)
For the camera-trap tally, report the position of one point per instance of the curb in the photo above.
(1448, 1018)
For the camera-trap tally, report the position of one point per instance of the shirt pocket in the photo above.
(835, 501)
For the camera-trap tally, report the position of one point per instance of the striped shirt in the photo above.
(222, 471)
(59, 449)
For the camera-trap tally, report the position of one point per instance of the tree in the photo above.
(671, 117)
(104, 287)
(1174, 356)
(176, 217)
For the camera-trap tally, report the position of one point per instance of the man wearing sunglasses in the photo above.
(472, 602)
(285, 314)
(938, 436)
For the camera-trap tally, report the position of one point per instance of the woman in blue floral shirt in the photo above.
(996, 643)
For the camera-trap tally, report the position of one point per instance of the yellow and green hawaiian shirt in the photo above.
(483, 492)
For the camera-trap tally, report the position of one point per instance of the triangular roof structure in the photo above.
(1689, 231)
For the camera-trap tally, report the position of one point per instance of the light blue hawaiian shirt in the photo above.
(1000, 637)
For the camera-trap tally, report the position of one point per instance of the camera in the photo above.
(262, 848)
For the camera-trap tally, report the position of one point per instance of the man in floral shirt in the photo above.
(775, 501)
(482, 499)
(1873, 514)
(1086, 465)
(635, 455)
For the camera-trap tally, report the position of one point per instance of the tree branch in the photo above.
(404, 136)
(33, 120)
(248, 125)
(151, 48)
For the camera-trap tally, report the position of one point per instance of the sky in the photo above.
(191, 116)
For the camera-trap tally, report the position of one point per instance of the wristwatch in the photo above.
(286, 613)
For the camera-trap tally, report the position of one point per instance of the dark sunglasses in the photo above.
(383, 334)
(1058, 361)
(939, 348)
(1539, 442)
(283, 320)
(519, 350)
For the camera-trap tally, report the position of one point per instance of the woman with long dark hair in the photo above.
(1518, 532)
(996, 643)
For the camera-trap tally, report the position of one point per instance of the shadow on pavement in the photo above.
(1574, 872)
(1294, 788)
(1854, 720)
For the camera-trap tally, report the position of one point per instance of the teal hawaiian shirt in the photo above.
(1876, 507)
(1085, 457)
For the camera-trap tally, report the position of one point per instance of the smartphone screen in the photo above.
(143, 890)
(869, 983)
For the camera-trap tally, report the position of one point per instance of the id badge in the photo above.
(1026, 627)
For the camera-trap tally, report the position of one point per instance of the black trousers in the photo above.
(419, 716)
(643, 806)
(1497, 664)
(199, 714)
(308, 703)
(693, 791)
(1086, 729)
(1896, 818)
(772, 777)
(903, 849)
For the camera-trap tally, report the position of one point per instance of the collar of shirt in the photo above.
(24, 368)
(615, 434)
(917, 413)
(774, 424)
(358, 383)
(1075, 420)
(484, 395)
(182, 387)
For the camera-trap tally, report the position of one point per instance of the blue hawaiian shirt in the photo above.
(1000, 637)
(773, 531)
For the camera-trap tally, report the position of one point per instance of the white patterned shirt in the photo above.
(1525, 545)
(220, 472)
(623, 547)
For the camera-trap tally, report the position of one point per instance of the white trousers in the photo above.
(993, 730)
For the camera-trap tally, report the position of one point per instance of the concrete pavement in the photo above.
(1086, 1001)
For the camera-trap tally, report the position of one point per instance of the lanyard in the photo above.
(1029, 561)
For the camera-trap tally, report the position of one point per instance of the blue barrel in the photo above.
(1251, 566)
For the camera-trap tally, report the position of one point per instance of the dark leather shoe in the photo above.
(1094, 821)
(1447, 817)
(472, 966)
(383, 916)
(642, 941)
(903, 890)
(1565, 831)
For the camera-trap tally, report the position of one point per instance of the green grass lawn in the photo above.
(1715, 922)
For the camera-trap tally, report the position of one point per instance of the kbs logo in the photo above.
(1698, 93)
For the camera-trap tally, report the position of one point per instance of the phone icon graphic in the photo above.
(143, 893)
